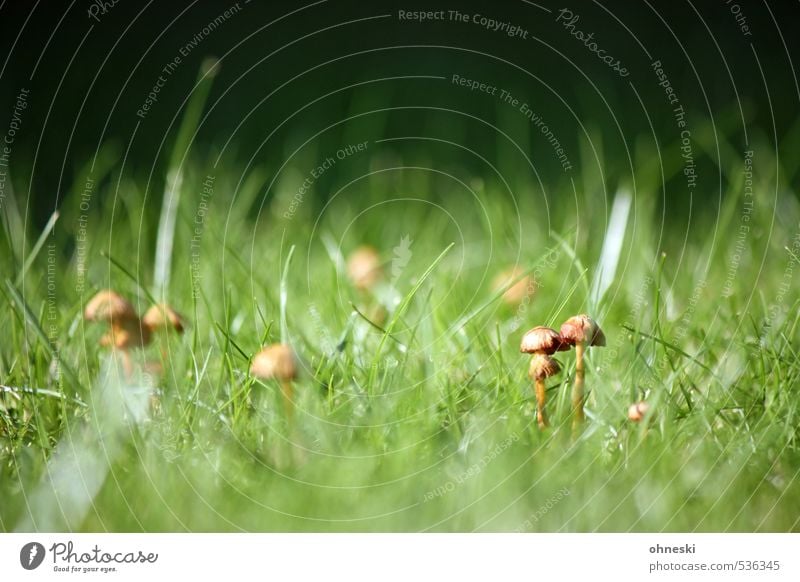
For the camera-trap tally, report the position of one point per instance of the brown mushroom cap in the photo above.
(364, 268)
(582, 329)
(126, 335)
(274, 362)
(109, 306)
(637, 411)
(515, 294)
(542, 340)
(162, 316)
(543, 366)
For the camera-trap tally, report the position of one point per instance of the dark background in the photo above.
(87, 79)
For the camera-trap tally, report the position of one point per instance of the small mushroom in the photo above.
(110, 307)
(277, 362)
(638, 410)
(126, 335)
(160, 319)
(542, 367)
(542, 342)
(125, 328)
(517, 293)
(364, 268)
(163, 317)
(581, 331)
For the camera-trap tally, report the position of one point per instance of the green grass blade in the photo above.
(401, 309)
(172, 193)
(31, 320)
(284, 295)
(48, 228)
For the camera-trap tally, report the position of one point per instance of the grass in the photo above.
(424, 421)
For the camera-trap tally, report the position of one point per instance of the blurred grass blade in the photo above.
(172, 193)
(12, 222)
(612, 248)
(232, 342)
(48, 228)
(124, 270)
(30, 318)
(673, 347)
(42, 392)
(284, 296)
(81, 461)
(401, 309)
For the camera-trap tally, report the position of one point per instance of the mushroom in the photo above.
(542, 367)
(126, 335)
(581, 331)
(109, 306)
(542, 342)
(517, 293)
(277, 362)
(364, 268)
(637, 411)
(125, 328)
(162, 317)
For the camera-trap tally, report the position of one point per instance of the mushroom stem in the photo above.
(577, 390)
(127, 363)
(541, 397)
(287, 392)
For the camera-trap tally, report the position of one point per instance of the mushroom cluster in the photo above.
(126, 329)
(580, 332)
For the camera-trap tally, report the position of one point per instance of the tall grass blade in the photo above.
(31, 320)
(48, 228)
(81, 461)
(172, 194)
(612, 248)
(284, 296)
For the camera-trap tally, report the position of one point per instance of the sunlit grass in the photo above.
(424, 421)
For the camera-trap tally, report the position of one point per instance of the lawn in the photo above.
(412, 409)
